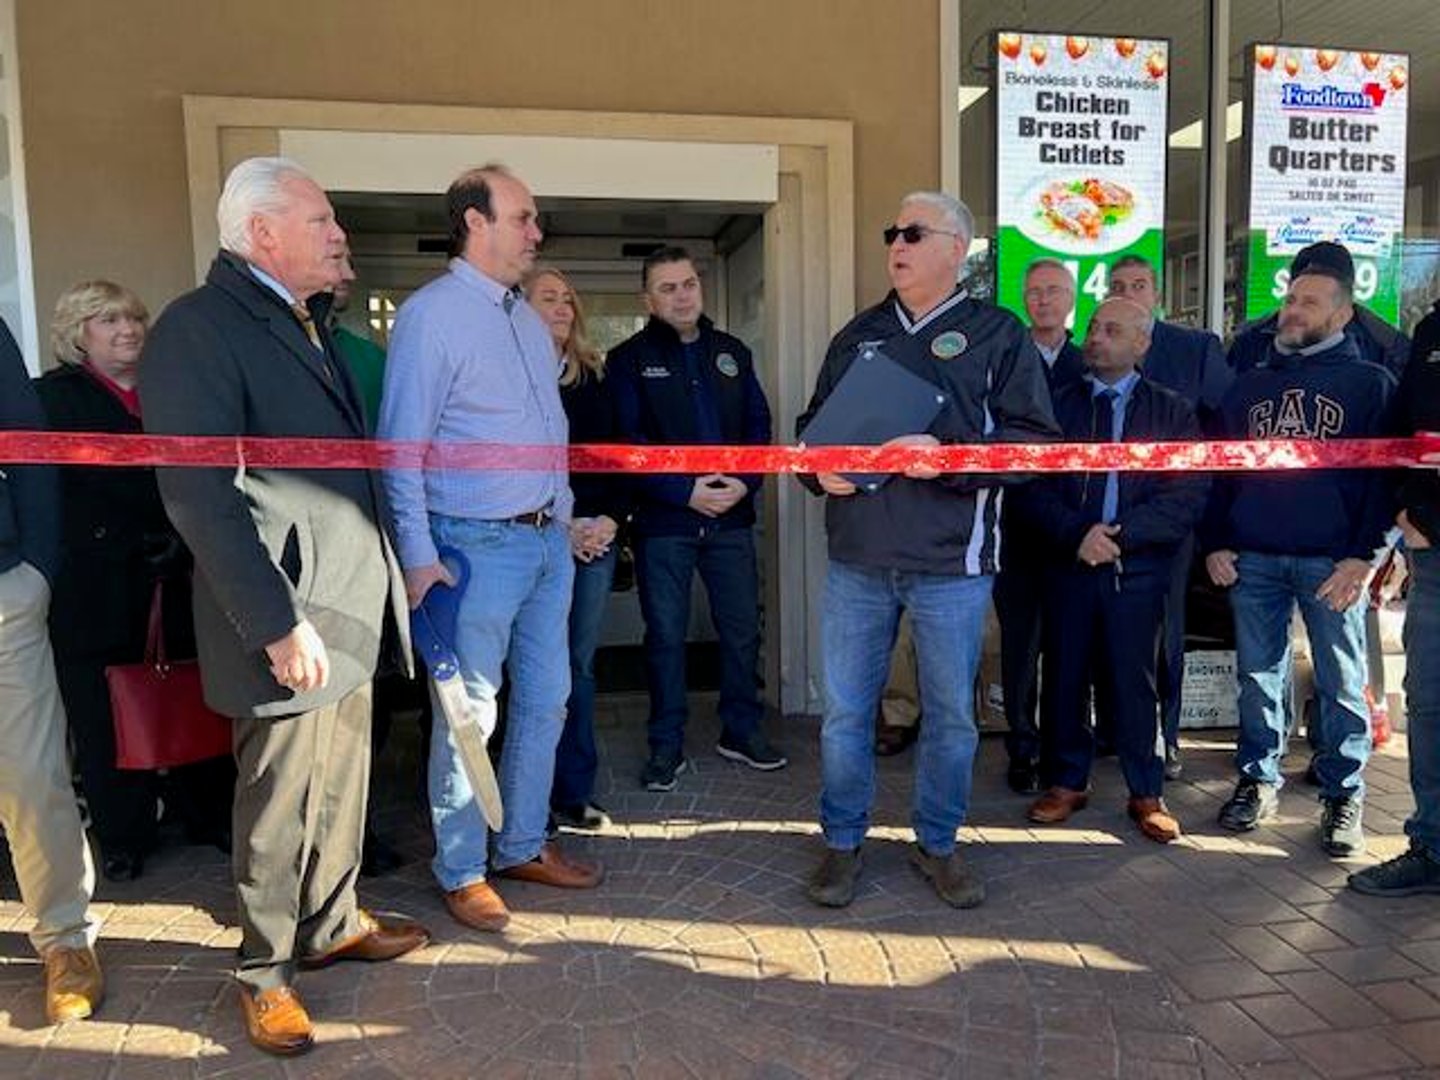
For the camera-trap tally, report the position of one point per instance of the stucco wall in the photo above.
(101, 92)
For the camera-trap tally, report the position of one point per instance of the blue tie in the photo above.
(1109, 425)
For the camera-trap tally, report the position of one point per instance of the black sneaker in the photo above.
(752, 750)
(586, 818)
(1411, 874)
(1252, 803)
(661, 770)
(833, 882)
(1342, 832)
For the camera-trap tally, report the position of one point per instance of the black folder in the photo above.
(875, 400)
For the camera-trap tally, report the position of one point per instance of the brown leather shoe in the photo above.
(479, 907)
(552, 867)
(892, 739)
(1154, 819)
(1056, 805)
(74, 983)
(277, 1022)
(376, 941)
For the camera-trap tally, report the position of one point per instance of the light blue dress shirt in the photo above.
(471, 361)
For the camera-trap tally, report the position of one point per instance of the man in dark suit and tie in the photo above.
(1191, 363)
(1019, 586)
(294, 578)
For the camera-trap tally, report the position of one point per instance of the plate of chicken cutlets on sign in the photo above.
(1084, 215)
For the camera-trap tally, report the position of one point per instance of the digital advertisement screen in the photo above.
(1081, 134)
(1326, 130)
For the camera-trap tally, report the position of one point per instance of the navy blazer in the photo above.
(1191, 363)
(1157, 510)
(1069, 367)
(29, 494)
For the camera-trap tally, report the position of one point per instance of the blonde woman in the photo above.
(601, 506)
(115, 543)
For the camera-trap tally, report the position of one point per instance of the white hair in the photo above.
(255, 186)
(957, 214)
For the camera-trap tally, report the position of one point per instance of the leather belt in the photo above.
(535, 518)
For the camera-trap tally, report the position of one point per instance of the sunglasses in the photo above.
(913, 234)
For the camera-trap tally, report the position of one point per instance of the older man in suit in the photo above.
(295, 576)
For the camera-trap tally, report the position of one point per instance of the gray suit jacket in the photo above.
(271, 546)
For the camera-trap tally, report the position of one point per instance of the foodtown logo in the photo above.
(1300, 98)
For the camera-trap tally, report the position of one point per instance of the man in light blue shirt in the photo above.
(471, 361)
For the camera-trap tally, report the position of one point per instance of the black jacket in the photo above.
(1419, 410)
(997, 393)
(29, 494)
(1157, 510)
(1068, 368)
(115, 540)
(654, 405)
(1335, 513)
(1021, 550)
(1191, 363)
(271, 546)
(590, 408)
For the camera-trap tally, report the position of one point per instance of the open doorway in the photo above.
(398, 243)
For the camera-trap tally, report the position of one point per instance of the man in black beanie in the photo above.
(1309, 539)
(1374, 339)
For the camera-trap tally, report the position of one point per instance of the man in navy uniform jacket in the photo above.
(926, 542)
(1111, 538)
(1191, 363)
(1308, 538)
(682, 382)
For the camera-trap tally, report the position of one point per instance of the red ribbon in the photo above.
(86, 448)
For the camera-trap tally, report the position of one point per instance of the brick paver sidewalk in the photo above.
(1097, 954)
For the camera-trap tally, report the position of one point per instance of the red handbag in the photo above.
(161, 719)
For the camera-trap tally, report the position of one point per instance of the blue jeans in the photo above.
(576, 759)
(513, 613)
(1422, 696)
(861, 611)
(1263, 600)
(664, 569)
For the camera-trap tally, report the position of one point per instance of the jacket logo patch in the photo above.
(727, 365)
(1434, 357)
(654, 371)
(949, 345)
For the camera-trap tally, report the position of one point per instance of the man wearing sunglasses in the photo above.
(926, 542)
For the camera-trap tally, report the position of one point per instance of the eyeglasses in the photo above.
(913, 234)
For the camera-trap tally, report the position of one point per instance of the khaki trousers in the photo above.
(37, 803)
(298, 826)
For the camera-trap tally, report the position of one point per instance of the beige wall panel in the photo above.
(105, 149)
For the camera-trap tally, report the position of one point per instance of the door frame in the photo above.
(809, 277)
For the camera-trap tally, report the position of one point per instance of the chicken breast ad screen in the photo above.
(1326, 130)
(1081, 129)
